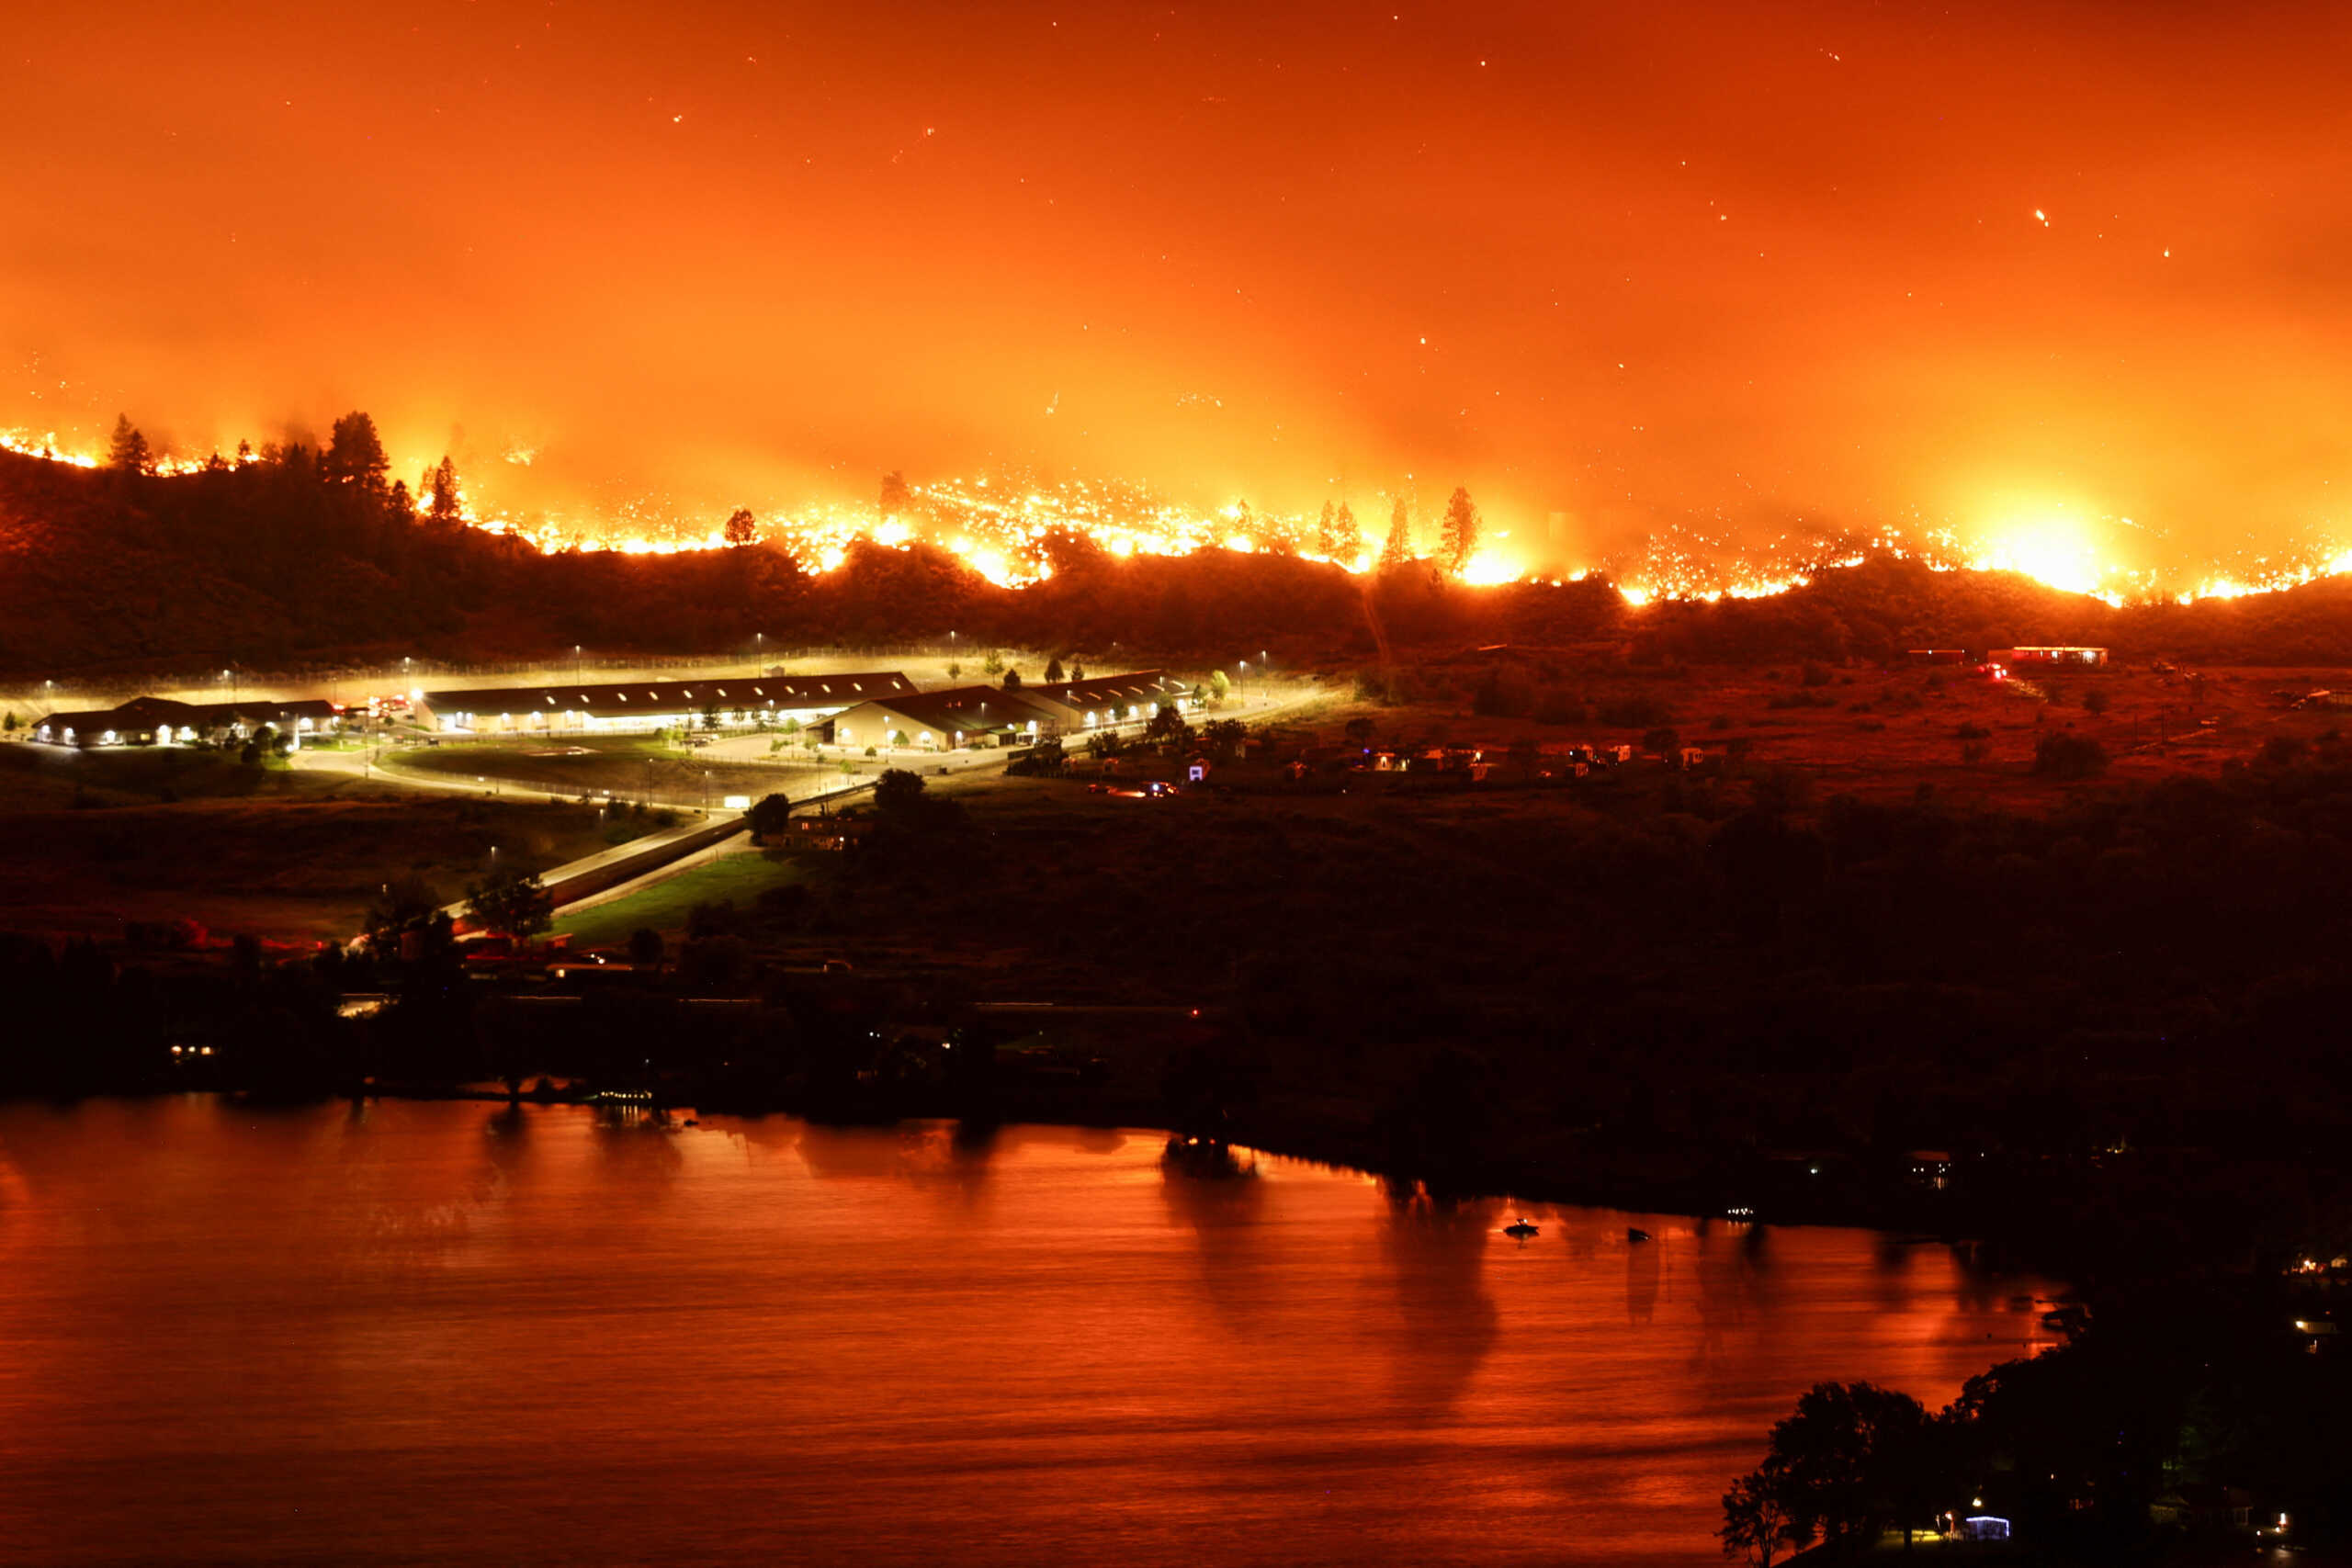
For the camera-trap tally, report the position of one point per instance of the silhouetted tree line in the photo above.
(2132, 1434)
(2122, 1020)
(310, 553)
(2119, 1018)
(83, 1023)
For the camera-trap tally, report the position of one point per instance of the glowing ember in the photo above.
(1004, 530)
(1487, 567)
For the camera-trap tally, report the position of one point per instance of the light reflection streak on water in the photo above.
(438, 1330)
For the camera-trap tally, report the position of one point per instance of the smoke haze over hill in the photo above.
(2029, 272)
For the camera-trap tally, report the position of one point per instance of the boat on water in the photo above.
(1635, 1233)
(1520, 1229)
(1212, 1157)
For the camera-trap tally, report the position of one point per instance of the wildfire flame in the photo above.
(1003, 532)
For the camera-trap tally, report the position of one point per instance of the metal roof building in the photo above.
(163, 721)
(944, 721)
(731, 700)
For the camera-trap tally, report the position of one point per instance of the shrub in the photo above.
(1635, 713)
(2069, 756)
(1561, 706)
(1503, 694)
(719, 919)
(2281, 752)
(716, 962)
(770, 815)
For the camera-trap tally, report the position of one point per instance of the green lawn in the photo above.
(741, 876)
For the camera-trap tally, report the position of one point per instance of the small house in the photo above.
(829, 830)
(2048, 657)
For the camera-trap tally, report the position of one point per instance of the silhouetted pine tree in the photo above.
(129, 452)
(1460, 538)
(1347, 536)
(354, 454)
(441, 500)
(1399, 548)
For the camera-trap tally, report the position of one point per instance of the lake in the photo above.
(427, 1332)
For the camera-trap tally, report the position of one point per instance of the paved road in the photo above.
(361, 765)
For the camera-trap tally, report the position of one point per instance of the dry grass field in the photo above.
(1882, 733)
(109, 837)
(284, 854)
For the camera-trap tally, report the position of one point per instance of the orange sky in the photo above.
(1639, 264)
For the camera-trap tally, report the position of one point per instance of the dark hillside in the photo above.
(274, 565)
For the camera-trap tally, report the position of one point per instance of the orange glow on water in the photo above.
(578, 1331)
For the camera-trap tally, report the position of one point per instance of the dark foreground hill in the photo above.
(272, 566)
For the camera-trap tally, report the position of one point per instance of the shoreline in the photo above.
(1336, 1147)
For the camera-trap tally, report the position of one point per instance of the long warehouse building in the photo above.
(724, 702)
